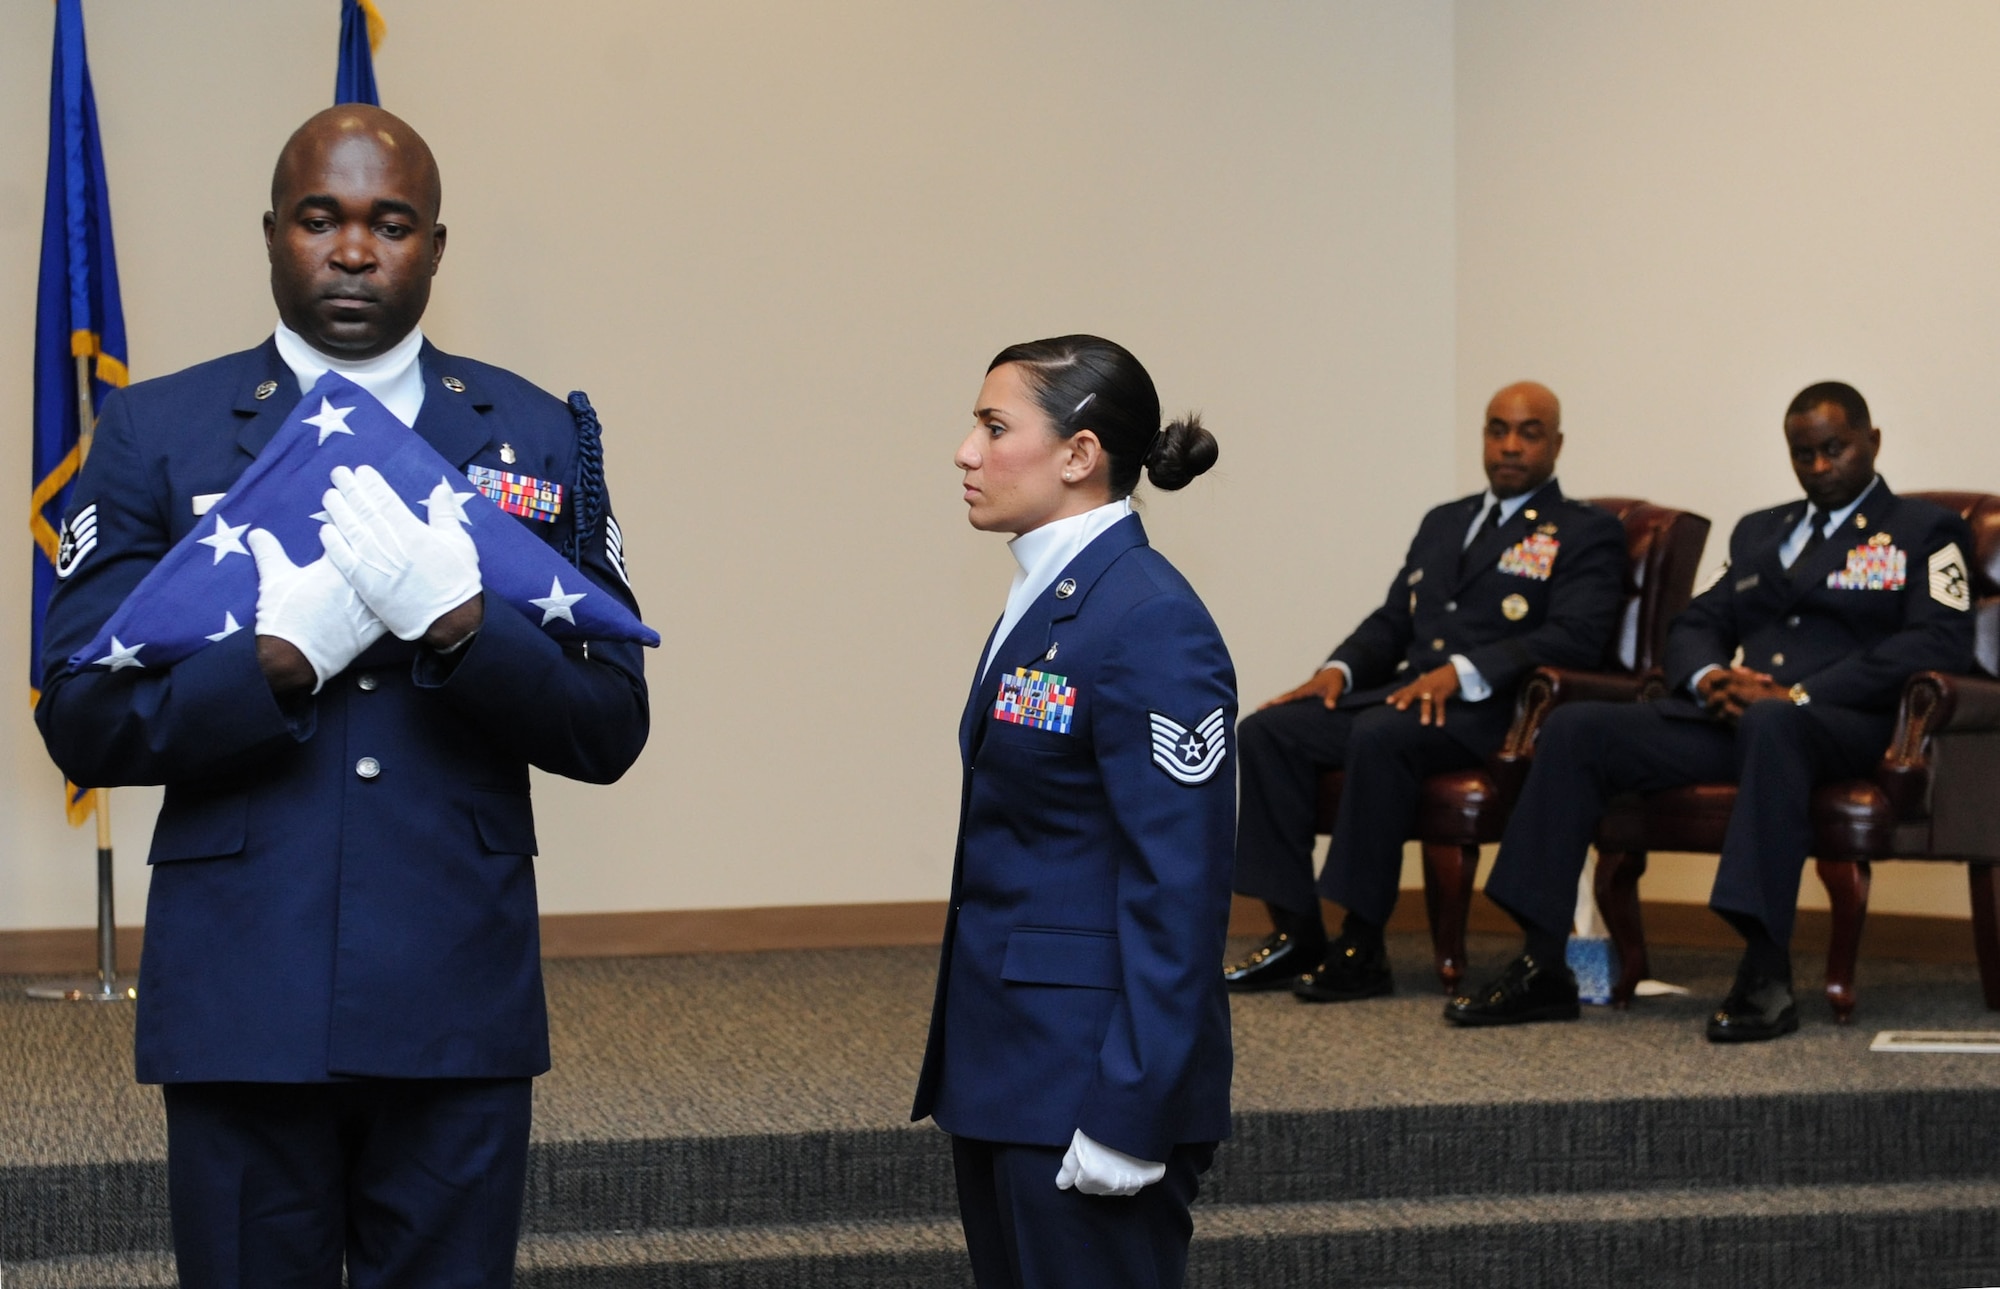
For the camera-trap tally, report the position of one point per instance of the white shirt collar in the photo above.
(394, 378)
(1789, 549)
(1043, 553)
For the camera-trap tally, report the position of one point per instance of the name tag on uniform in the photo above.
(1874, 566)
(1534, 556)
(1036, 699)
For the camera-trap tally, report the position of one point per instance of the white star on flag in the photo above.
(230, 626)
(121, 656)
(330, 421)
(225, 540)
(442, 495)
(556, 605)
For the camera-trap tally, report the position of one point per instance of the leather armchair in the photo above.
(1465, 809)
(1932, 797)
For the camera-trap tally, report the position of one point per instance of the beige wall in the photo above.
(1681, 214)
(777, 243)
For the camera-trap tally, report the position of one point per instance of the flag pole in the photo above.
(107, 987)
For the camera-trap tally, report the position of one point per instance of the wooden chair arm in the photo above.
(1933, 703)
(1546, 689)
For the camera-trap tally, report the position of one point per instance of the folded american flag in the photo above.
(205, 589)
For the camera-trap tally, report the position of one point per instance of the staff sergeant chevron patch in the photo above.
(79, 538)
(1949, 584)
(1189, 756)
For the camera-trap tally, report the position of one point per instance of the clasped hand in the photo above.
(1096, 1169)
(1727, 691)
(384, 571)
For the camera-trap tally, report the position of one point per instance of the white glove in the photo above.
(411, 573)
(1096, 1169)
(312, 607)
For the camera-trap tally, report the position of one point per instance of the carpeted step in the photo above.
(1887, 1235)
(1379, 1153)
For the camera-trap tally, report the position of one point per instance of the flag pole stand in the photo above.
(107, 986)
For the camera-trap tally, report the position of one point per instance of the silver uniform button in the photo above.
(1438, 643)
(1792, 621)
(368, 767)
(1451, 606)
(366, 682)
(1777, 660)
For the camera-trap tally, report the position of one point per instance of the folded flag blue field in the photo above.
(205, 589)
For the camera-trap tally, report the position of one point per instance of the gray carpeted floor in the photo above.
(830, 1040)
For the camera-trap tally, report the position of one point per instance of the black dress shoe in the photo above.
(1349, 972)
(1274, 964)
(1756, 1009)
(1527, 991)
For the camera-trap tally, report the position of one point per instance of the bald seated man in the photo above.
(1494, 585)
(341, 988)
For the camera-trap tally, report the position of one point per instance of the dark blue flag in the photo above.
(205, 589)
(361, 29)
(79, 327)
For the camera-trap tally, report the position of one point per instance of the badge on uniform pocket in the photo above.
(1189, 756)
(1514, 607)
(1036, 699)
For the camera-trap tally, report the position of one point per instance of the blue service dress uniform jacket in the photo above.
(1078, 984)
(1887, 595)
(342, 884)
(1541, 590)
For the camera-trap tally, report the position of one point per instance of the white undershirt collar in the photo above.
(1043, 553)
(395, 378)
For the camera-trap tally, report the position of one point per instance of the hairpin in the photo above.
(1080, 406)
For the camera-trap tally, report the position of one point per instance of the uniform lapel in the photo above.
(1811, 571)
(1484, 552)
(261, 417)
(1029, 641)
(450, 419)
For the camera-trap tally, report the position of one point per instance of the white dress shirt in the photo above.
(1472, 686)
(1041, 554)
(395, 378)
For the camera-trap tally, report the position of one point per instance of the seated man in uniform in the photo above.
(1832, 601)
(1495, 584)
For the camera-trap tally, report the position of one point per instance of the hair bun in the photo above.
(1182, 450)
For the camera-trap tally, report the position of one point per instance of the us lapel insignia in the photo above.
(1189, 756)
(1414, 578)
(1066, 588)
(1861, 521)
(1871, 566)
(1949, 585)
(454, 384)
(1532, 514)
(264, 390)
(518, 494)
(1036, 699)
(1534, 556)
(1514, 607)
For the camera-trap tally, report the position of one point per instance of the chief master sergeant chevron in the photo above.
(341, 986)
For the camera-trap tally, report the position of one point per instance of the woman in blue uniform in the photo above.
(1079, 1045)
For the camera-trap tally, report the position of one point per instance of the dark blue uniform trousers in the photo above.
(1589, 752)
(1387, 755)
(1023, 1233)
(407, 1183)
